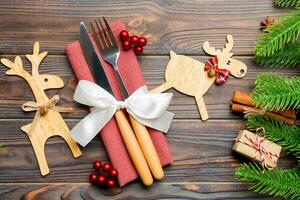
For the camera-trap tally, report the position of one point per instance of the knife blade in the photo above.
(92, 59)
(126, 131)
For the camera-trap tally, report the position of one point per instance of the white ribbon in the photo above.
(148, 109)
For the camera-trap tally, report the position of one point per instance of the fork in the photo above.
(110, 53)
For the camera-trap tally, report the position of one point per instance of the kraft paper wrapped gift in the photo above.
(258, 148)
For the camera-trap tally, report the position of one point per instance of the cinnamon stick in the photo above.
(245, 98)
(241, 108)
(288, 113)
(242, 98)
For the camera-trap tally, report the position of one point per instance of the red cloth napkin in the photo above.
(133, 79)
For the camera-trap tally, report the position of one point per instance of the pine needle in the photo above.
(287, 136)
(277, 182)
(274, 92)
(286, 30)
(289, 56)
(287, 3)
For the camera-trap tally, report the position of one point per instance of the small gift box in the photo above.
(258, 148)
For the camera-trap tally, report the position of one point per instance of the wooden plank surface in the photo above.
(159, 191)
(179, 25)
(204, 163)
(202, 152)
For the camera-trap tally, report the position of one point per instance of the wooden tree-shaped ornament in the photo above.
(47, 121)
(190, 76)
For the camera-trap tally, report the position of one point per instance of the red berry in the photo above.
(134, 39)
(97, 165)
(106, 167)
(138, 50)
(124, 35)
(101, 180)
(113, 172)
(93, 177)
(142, 41)
(126, 45)
(110, 183)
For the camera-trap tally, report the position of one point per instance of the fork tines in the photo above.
(105, 34)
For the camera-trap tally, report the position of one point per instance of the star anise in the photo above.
(267, 23)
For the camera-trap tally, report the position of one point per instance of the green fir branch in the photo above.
(277, 47)
(274, 92)
(289, 56)
(278, 182)
(286, 30)
(287, 136)
(287, 3)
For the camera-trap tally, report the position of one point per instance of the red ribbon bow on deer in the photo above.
(211, 66)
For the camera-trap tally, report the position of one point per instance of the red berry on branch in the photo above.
(106, 167)
(97, 165)
(134, 40)
(101, 181)
(93, 177)
(110, 183)
(138, 50)
(126, 45)
(142, 41)
(124, 35)
(113, 172)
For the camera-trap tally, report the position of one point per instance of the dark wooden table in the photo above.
(204, 163)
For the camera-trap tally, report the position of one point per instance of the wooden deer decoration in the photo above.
(190, 77)
(47, 121)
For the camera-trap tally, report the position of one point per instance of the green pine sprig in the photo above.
(278, 182)
(274, 92)
(278, 46)
(287, 3)
(289, 56)
(285, 135)
(285, 31)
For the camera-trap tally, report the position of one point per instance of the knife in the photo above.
(126, 131)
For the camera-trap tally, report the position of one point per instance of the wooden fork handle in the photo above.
(148, 148)
(133, 148)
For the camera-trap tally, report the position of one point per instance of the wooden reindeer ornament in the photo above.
(194, 78)
(47, 121)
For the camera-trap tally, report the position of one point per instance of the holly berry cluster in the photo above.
(105, 176)
(132, 41)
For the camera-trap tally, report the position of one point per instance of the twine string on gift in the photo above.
(43, 108)
(257, 143)
(261, 131)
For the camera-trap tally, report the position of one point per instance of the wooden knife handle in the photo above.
(133, 148)
(148, 148)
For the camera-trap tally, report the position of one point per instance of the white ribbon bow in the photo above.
(148, 109)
